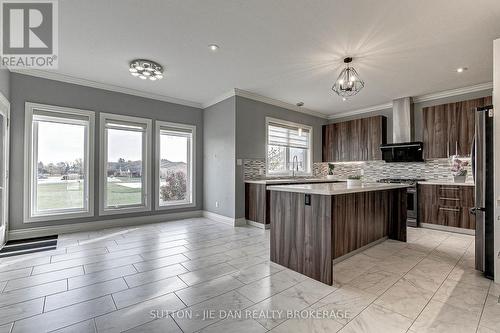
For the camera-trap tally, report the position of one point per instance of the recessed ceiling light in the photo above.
(461, 69)
(213, 47)
(344, 99)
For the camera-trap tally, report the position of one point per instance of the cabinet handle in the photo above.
(450, 188)
(455, 199)
(449, 209)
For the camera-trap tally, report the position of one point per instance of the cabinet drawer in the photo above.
(453, 196)
(457, 217)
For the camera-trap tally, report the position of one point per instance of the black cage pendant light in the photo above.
(348, 83)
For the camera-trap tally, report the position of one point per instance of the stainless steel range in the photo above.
(411, 197)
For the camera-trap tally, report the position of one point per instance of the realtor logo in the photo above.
(29, 34)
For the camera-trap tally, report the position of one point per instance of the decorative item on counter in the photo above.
(353, 180)
(458, 169)
(331, 167)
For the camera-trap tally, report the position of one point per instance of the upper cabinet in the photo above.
(354, 140)
(449, 128)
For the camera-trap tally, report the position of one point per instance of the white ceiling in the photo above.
(289, 50)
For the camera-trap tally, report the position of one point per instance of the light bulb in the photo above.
(142, 77)
(132, 70)
(152, 78)
(135, 74)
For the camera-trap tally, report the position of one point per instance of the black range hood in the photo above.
(403, 152)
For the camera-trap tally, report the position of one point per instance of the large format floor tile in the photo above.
(198, 275)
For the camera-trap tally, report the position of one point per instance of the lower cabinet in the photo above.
(446, 205)
(257, 203)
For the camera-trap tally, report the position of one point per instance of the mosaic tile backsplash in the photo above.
(438, 169)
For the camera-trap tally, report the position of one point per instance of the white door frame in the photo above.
(5, 111)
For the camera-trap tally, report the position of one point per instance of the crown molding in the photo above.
(245, 94)
(453, 92)
(264, 99)
(419, 99)
(104, 86)
(220, 98)
(276, 102)
(361, 111)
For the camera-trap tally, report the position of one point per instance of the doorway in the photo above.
(4, 168)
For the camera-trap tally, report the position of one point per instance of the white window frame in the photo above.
(191, 164)
(146, 155)
(30, 156)
(310, 150)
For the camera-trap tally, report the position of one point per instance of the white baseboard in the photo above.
(449, 229)
(258, 225)
(98, 225)
(225, 219)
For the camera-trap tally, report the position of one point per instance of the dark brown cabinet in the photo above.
(354, 140)
(446, 205)
(448, 129)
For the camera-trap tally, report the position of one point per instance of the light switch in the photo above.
(239, 161)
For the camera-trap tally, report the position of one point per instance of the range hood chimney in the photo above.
(403, 148)
(403, 120)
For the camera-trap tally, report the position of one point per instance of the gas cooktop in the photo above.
(401, 180)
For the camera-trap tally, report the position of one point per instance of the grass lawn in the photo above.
(70, 195)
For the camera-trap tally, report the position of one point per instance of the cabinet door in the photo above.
(328, 140)
(435, 126)
(358, 141)
(425, 203)
(466, 123)
(376, 128)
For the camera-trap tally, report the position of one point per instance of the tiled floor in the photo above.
(183, 276)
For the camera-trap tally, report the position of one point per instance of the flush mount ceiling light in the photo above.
(348, 83)
(146, 69)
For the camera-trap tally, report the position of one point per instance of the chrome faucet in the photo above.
(295, 166)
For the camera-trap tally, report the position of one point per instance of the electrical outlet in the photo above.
(216, 204)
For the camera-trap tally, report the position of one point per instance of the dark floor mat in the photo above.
(31, 245)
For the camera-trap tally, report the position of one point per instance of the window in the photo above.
(289, 147)
(174, 165)
(58, 163)
(125, 151)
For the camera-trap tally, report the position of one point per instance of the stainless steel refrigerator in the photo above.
(482, 169)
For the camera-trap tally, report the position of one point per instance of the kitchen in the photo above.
(437, 172)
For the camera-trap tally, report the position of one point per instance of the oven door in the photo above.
(411, 202)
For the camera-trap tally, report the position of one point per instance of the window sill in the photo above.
(123, 210)
(175, 206)
(57, 217)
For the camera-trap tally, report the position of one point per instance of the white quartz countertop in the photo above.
(334, 188)
(445, 182)
(295, 180)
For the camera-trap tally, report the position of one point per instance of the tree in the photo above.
(51, 169)
(62, 168)
(77, 166)
(175, 187)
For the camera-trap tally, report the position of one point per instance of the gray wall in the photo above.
(219, 139)
(251, 136)
(5, 83)
(32, 89)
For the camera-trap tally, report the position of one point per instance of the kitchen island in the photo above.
(314, 224)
